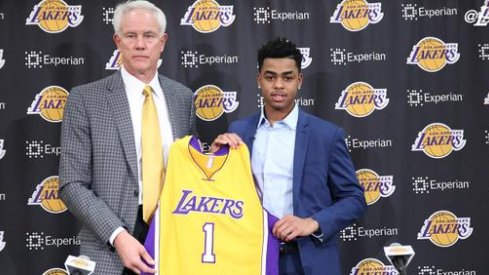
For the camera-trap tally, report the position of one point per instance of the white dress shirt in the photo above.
(272, 162)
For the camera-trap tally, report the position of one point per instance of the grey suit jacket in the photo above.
(98, 166)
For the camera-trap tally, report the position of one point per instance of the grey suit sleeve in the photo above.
(192, 118)
(75, 171)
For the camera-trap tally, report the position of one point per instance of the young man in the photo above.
(111, 129)
(301, 165)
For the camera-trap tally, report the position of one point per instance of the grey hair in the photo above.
(123, 8)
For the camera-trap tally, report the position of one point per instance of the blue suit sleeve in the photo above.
(349, 200)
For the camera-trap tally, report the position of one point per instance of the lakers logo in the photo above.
(375, 186)
(432, 54)
(49, 103)
(55, 271)
(356, 15)
(444, 229)
(360, 99)
(207, 16)
(54, 16)
(46, 195)
(437, 140)
(2, 61)
(306, 59)
(211, 102)
(115, 61)
(372, 266)
(2, 151)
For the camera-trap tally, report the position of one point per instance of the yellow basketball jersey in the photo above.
(210, 218)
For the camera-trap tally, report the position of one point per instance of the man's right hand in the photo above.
(231, 139)
(132, 253)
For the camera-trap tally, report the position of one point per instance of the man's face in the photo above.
(279, 79)
(139, 42)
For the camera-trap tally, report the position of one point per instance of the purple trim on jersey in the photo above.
(149, 243)
(273, 247)
(194, 142)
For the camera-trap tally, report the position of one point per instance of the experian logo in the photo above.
(264, 15)
(37, 149)
(37, 59)
(484, 51)
(192, 59)
(413, 12)
(432, 270)
(417, 98)
(355, 143)
(342, 57)
(354, 232)
(423, 185)
(38, 241)
(108, 14)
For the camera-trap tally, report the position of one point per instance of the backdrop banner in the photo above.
(408, 80)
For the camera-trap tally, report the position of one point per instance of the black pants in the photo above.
(290, 260)
(140, 231)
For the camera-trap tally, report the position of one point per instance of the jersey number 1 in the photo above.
(208, 256)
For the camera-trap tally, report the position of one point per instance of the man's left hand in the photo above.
(290, 227)
(231, 139)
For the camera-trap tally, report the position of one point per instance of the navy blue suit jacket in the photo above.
(325, 186)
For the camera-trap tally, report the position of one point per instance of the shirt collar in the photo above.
(134, 84)
(290, 120)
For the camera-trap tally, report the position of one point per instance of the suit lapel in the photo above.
(249, 133)
(300, 151)
(119, 105)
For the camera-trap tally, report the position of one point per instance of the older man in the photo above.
(115, 138)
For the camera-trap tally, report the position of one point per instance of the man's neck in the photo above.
(274, 115)
(145, 76)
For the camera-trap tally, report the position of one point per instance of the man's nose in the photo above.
(140, 43)
(279, 83)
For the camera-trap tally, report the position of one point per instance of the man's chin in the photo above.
(143, 69)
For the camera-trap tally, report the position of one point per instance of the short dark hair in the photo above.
(278, 48)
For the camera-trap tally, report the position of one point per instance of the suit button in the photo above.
(136, 193)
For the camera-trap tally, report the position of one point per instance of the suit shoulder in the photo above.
(244, 122)
(323, 127)
(95, 85)
(94, 90)
(173, 83)
(322, 123)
